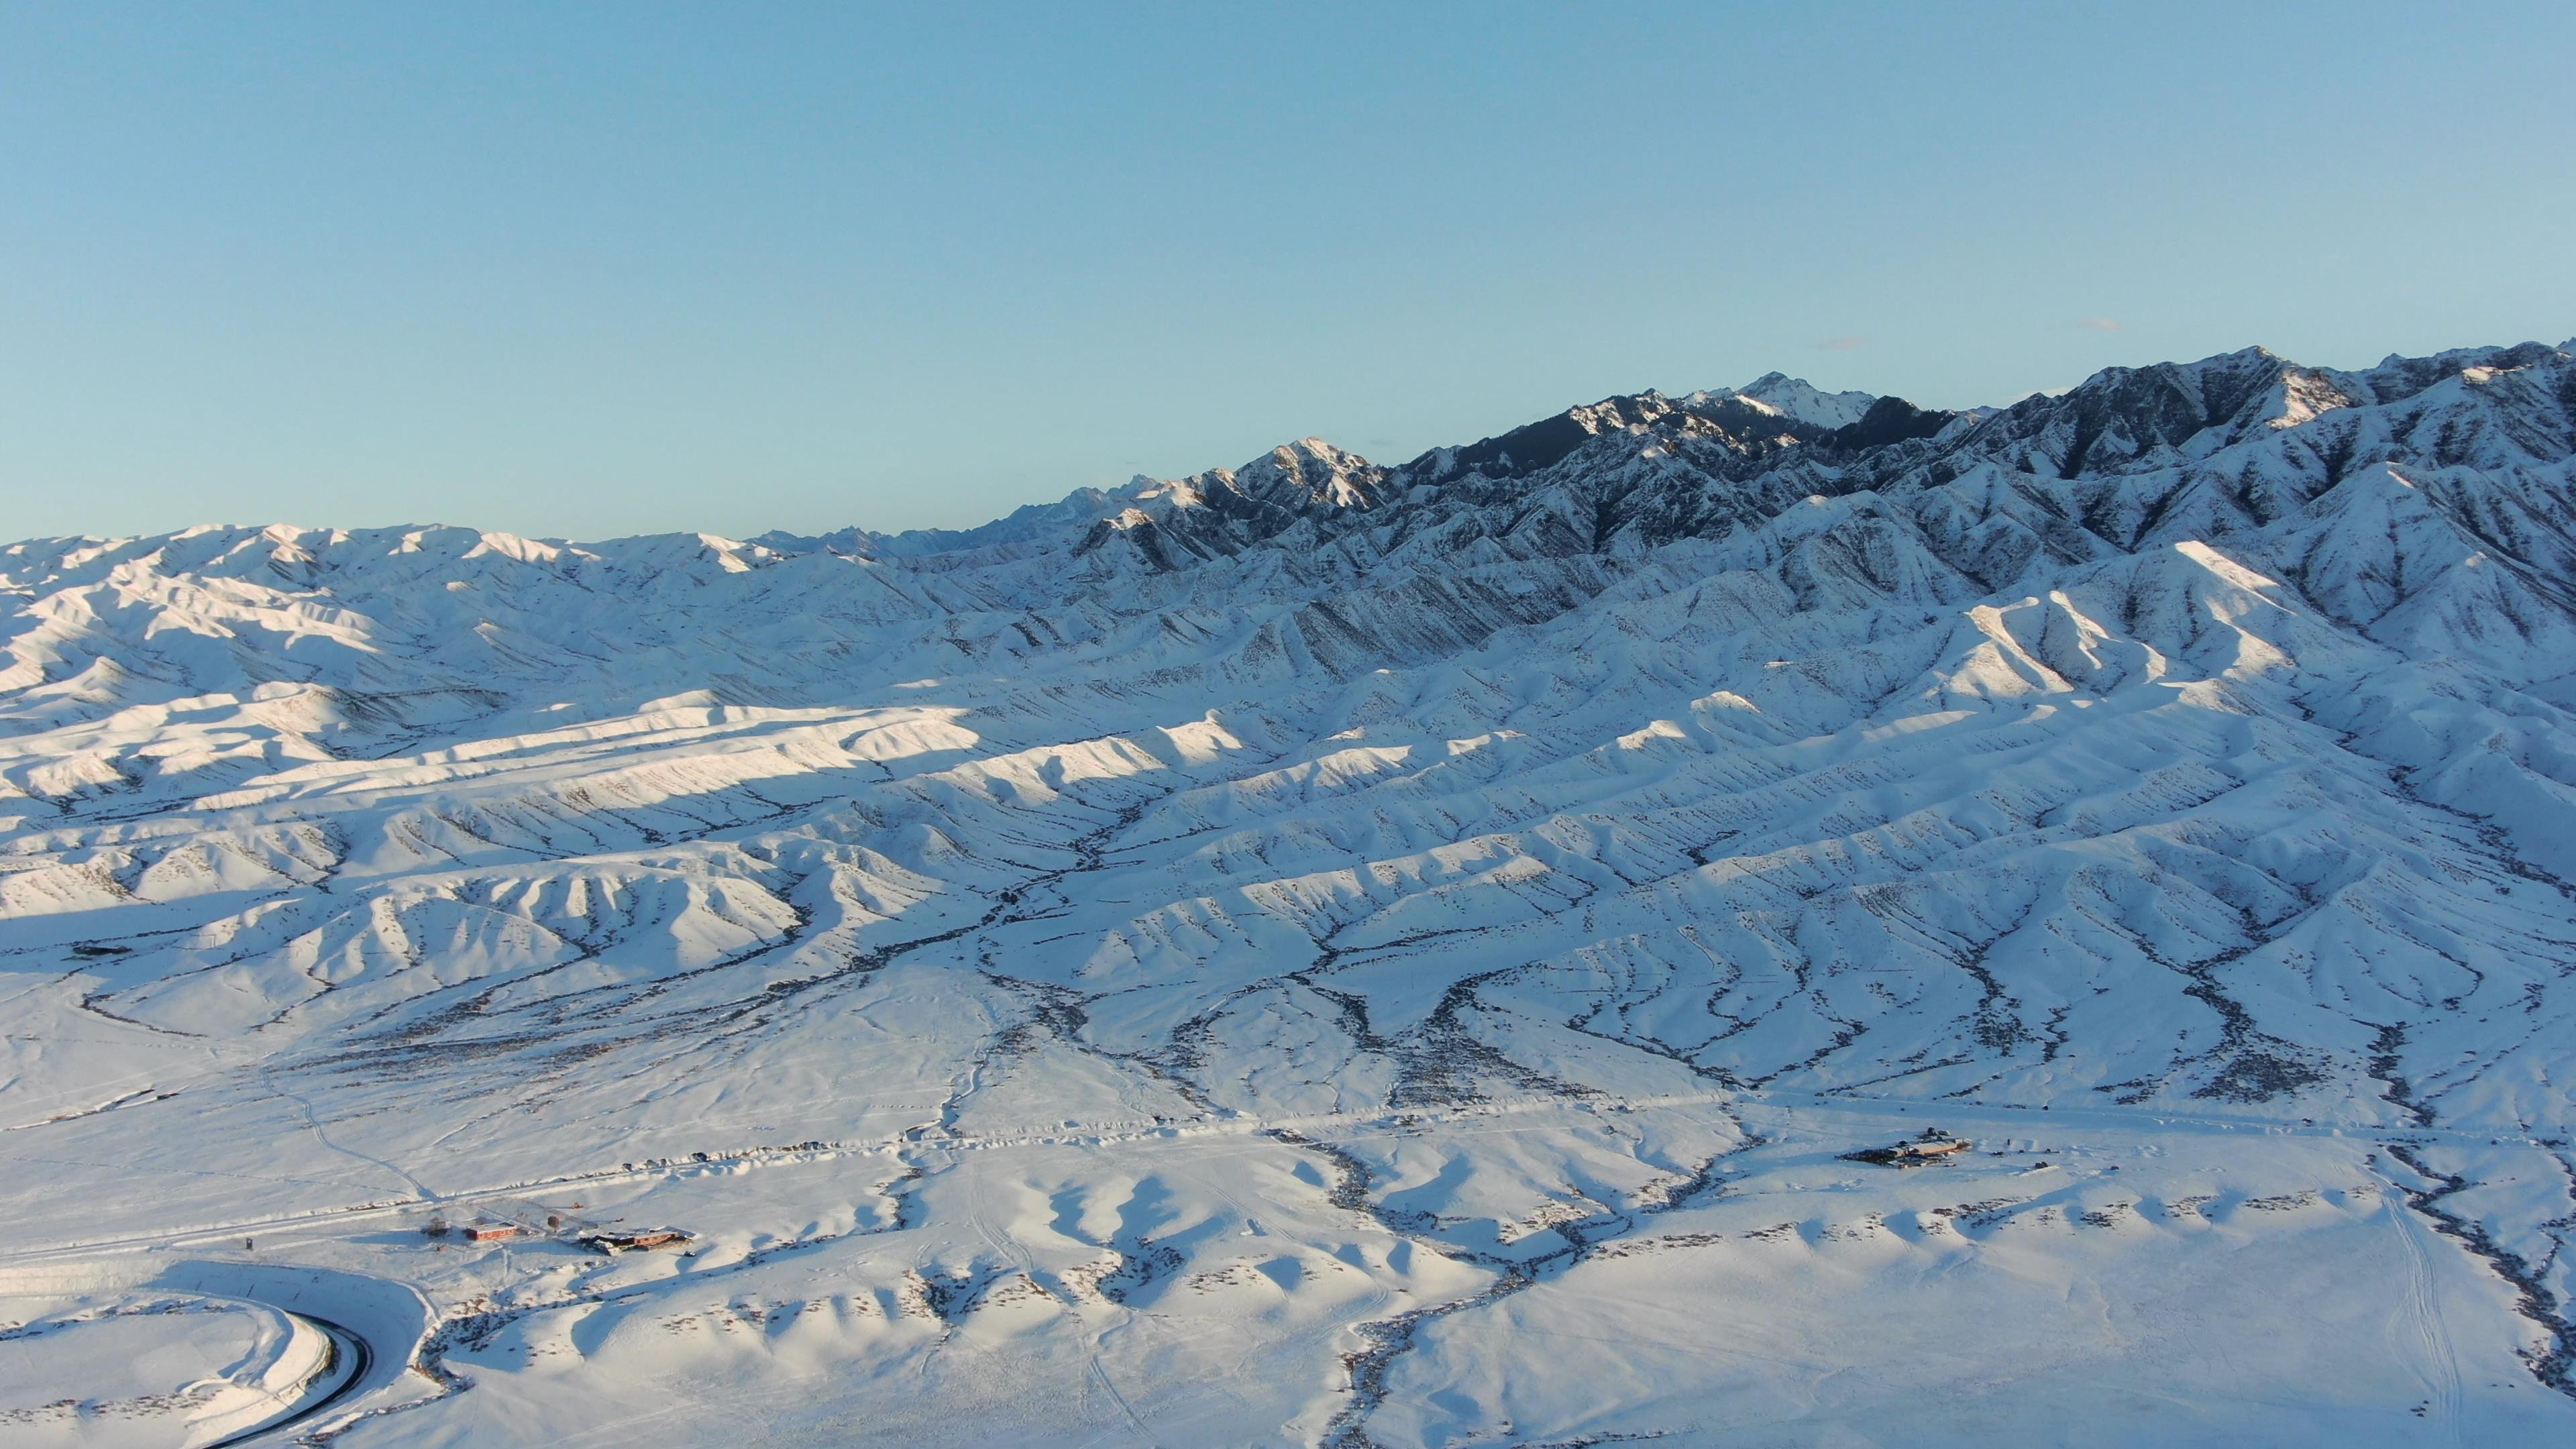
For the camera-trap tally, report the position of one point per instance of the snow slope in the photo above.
(1329, 952)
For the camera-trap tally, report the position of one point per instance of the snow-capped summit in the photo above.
(1307, 473)
(1795, 398)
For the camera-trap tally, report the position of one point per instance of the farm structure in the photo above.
(1931, 1147)
(615, 1241)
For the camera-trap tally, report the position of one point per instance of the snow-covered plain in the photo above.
(1328, 953)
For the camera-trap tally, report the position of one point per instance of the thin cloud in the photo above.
(1841, 344)
(2099, 324)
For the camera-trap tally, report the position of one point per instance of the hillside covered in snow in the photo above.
(1346, 953)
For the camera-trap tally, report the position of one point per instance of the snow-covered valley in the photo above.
(1328, 953)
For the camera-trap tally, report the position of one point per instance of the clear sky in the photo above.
(594, 270)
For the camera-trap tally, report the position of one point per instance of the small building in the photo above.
(613, 1241)
(1931, 1147)
(491, 1232)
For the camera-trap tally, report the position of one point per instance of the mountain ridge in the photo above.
(1488, 873)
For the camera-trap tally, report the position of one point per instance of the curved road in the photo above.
(326, 1388)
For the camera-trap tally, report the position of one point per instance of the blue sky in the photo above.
(594, 270)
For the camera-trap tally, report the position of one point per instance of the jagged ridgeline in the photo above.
(2167, 664)
(2196, 742)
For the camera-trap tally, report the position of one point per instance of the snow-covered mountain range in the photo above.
(1324, 951)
